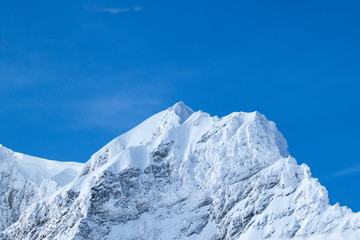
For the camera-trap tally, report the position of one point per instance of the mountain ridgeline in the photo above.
(179, 174)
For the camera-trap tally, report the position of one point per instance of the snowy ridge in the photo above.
(25, 179)
(38, 169)
(186, 175)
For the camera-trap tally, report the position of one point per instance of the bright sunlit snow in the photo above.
(178, 175)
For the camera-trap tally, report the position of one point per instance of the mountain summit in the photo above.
(186, 175)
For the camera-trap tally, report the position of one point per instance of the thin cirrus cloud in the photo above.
(347, 171)
(119, 10)
(119, 110)
(344, 172)
(115, 113)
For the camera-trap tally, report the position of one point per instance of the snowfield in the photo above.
(178, 175)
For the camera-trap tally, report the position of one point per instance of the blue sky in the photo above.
(75, 74)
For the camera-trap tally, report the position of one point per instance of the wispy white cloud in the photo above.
(344, 172)
(112, 10)
(347, 171)
(24, 74)
(115, 113)
(136, 9)
(118, 110)
(127, 100)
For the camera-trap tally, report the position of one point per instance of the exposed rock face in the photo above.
(25, 180)
(187, 175)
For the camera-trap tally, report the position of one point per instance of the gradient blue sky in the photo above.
(75, 74)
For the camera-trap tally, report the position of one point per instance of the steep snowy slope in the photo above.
(186, 175)
(25, 179)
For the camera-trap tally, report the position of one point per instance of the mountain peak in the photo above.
(176, 176)
(181, 110)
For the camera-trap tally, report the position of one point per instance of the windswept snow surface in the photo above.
(38, 169)
(186, 175)
(25, 179)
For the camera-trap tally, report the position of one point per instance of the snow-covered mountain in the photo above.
(178, 175)
(25, 180)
